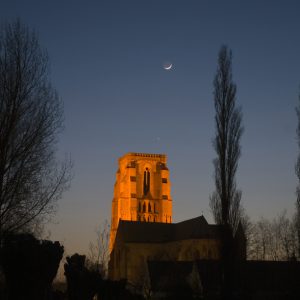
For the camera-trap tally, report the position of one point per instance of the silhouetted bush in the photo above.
(83, 284)
(116, 290)
(29, 266)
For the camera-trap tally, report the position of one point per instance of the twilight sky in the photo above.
(106, 63)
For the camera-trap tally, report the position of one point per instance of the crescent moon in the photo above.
(169, 67)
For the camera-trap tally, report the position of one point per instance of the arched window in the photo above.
(146, 181)
(144, 207)
(149, 207)
(149, 219)
(140, 207)
(144, 218)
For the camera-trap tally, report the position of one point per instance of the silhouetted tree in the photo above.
(273, 239)
(83, 284)
(297, 169)
(225, 201)
(260, 242)
(30, 266)
(98, 256)
(31, 179)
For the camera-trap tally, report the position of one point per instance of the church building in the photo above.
(141, 223)
(153, 254)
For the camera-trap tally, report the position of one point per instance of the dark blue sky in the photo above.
(106, 63)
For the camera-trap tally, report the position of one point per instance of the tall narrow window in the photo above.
(146, 181)
(144, 207)
(149, 207)
(140, 208)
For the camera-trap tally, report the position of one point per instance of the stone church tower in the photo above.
(141, 191)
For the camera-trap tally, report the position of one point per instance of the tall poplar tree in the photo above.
(297, 170)
(225, 200)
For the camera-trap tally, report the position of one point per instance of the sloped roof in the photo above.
(196, 228)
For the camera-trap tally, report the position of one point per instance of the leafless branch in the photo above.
(31, 116)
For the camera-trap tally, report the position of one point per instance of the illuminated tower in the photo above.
(142, 191)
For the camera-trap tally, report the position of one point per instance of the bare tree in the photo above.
(248, 227)
(265, 237)
(297, 170)
(273, 239)
(31, 115)
(98, 255)
(225, 201)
